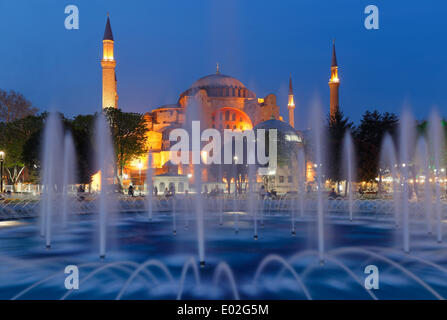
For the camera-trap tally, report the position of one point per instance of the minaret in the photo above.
(108, 64)
(291, 104)
(334, 83)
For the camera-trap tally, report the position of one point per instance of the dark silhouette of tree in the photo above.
(337, 126)
(82, 128)
(369, 136)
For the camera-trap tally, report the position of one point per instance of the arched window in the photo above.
(162, 187)
(234, 116)
(181, 187)
(171, 186)
(227, 115)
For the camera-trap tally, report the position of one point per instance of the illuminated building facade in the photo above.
(219, 101)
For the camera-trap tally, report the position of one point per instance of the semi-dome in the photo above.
(217, 80)
(285, 131)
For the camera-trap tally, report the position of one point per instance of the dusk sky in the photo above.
(162, 47)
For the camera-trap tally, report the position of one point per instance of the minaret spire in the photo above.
(334, 84)
(108, 64)
(217, 68)
(291, 104)
(108, 35)
(334, 55)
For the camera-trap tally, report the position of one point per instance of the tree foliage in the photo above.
(128, 135)
(14, 106)
(13, 141)
(82, 128)
(369, 136)
(337, 126)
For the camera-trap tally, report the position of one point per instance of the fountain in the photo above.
(148, 264)
(301, 180)
(149, 186)
(389, 161)
(436, 134)
(252, 209)
(50, 174)
(68, 178)
(349, 172)
(317, 139)
(422, 159)
(235, 207)
(406, 140)
(192, 125)
(105, 163)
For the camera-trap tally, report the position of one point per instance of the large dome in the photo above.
(221, 86)
(217, 80)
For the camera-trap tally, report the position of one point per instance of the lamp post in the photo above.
(2, 159)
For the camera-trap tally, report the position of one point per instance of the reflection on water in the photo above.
(11, 223)
(146, 261)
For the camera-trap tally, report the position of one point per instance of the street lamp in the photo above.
(2, 159)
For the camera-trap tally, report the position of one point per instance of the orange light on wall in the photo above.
(96, 181)
(231, 118)
(310, 172)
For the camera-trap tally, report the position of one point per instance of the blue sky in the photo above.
(162, 47)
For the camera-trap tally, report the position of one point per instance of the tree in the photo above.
(369, 136)
(128, 134)
(82, 127)
(13, 141)
(337, 126)
(14, 106)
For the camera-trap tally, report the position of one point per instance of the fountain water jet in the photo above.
(301, 180)
(68, 175)
(316, 121)
(406, 140)
(105, 163)
(423, 161)
(251, 199)
(436, 133)
(50, 174)
(349, 163)
(149, 186)
(389, 160)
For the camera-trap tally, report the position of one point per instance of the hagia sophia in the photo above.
(224, 102)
